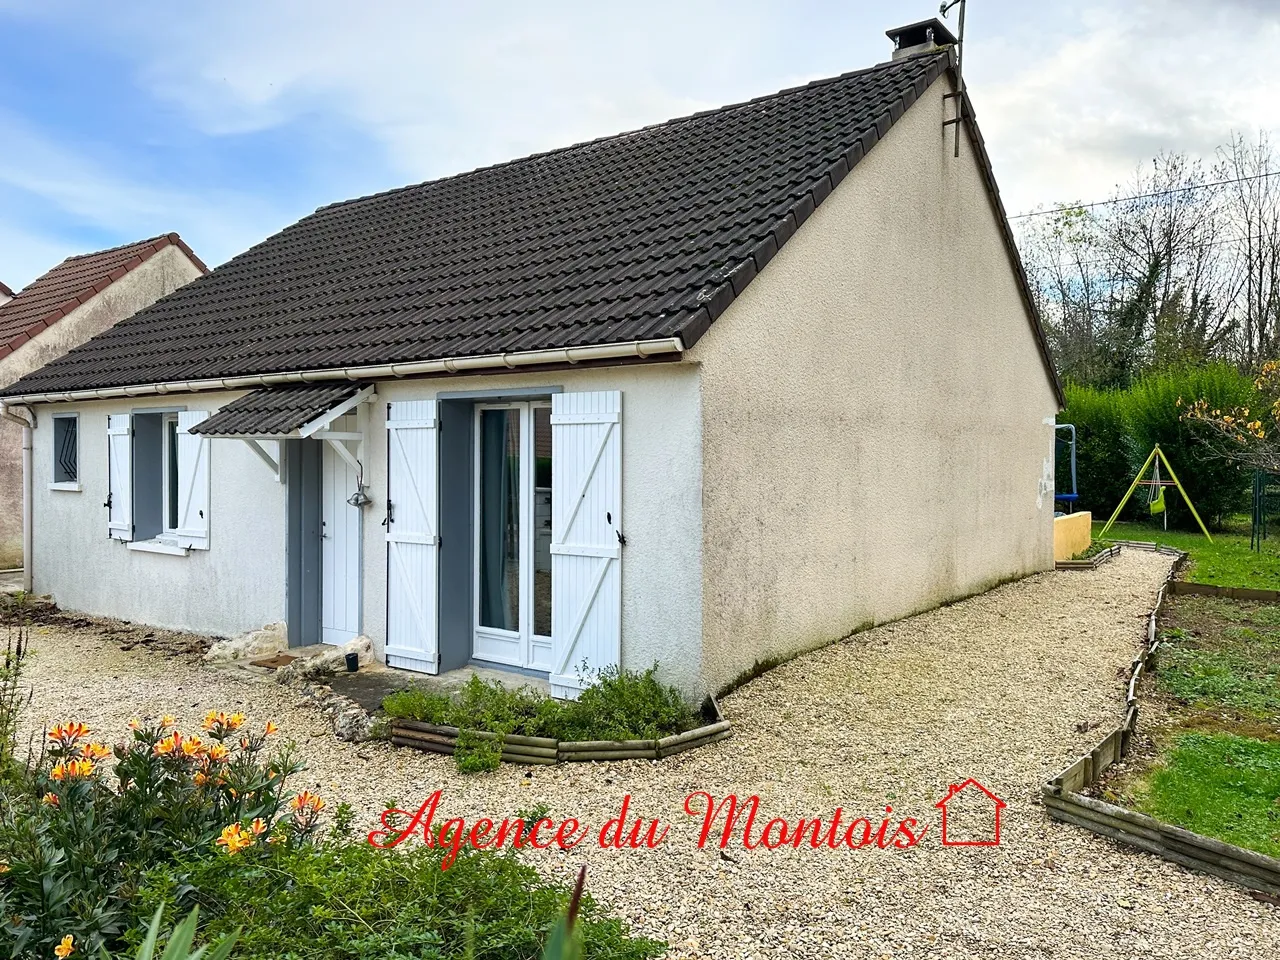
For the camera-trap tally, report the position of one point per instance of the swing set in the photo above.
(1155, 495)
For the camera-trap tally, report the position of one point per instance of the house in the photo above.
(76, 300)
(970, 815)
(706, 394)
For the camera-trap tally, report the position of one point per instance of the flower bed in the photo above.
(543, 750)
(632, 717)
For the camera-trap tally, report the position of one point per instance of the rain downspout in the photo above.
(28, 423)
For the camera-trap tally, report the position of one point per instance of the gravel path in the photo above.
(994, 687)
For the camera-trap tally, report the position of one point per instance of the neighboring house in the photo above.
(76, 300)
(776, 366)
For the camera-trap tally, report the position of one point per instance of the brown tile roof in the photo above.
(4, 290)
(277, 410)
(47, 299)
(645, 235)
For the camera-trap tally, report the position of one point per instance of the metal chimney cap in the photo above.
(917, 34)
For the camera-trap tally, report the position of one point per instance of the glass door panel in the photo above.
(500, 504)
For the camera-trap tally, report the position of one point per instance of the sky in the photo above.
(226, 121)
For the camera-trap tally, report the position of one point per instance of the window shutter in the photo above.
(586, 537)
(193, 482)
(413, 543)
(120, 476)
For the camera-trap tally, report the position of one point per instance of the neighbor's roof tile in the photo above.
(75, 281)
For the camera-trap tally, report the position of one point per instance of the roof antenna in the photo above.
(959, 95)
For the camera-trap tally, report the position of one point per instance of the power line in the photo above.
(1144, 196)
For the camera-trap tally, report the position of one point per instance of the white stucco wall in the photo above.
(240, 582)
(661, 505)
(237, 584)
(873, 409)
(159, 274)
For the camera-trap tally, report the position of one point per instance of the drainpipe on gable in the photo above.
(27, 420)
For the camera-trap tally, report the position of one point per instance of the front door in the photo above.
(513, 479)
(339, 550)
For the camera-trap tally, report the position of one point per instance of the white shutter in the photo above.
(193, 483)
(413, 542)
(120, 476)
(586, 543)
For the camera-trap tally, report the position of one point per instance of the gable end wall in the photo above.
(874, 409)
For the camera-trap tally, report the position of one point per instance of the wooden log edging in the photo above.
(434, 738)
(1065, 801)
(1099, 558)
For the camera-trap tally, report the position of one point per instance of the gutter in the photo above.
(636, 349)
(28, 423)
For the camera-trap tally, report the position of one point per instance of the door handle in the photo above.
(390, 518)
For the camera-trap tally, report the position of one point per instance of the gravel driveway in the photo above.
(995, 687)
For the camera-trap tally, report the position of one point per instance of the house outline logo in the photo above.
(996, 803)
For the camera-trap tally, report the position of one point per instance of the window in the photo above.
(66, 452)
(159, 470)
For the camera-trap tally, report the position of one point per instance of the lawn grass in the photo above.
(1226, 562)
(1216, 767)
(1220, 785)
(1221, 655)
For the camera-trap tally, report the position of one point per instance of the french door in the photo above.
(512, 523)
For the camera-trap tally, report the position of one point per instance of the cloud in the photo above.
(1073, 120)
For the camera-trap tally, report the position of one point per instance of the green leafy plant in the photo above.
(476, 754)
(179, 946)
(349, 901)
(76, 835)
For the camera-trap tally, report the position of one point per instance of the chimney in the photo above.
(923, 37)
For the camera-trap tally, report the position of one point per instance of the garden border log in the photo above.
(1064, 801)
(435, 738)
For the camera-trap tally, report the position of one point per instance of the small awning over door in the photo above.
(295, 410)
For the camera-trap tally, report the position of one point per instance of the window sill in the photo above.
(72, 486)
(158, 546)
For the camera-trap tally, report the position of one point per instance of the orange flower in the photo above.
(213, 719)
(218, 752)
(95, 751)
(168, 720)
(80, 768)
(234, 838)
(259, 826)
(168, 745)
(306, 800)
(50, 798)
(68, 732)
(200, 778)
(4, 866)
(59, 772)
(65, 948)
(135, 724)
(270, 728)
(192, 747)
(235, 721)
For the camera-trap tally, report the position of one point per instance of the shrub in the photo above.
(75, 840)
(621, 705)
(1104, 467)
(337, 901)
(1216, 486)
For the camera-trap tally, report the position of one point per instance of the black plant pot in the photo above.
(353, 662)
